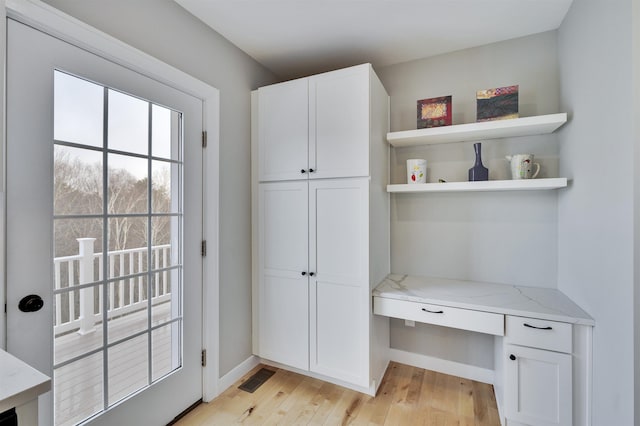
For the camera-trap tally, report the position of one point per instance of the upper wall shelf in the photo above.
(527, 126)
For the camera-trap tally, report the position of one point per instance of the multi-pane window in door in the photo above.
(117, 177)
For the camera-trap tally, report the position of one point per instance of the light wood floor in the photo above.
(407, 396)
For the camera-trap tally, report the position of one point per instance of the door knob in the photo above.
(512, 357)
(31, 303)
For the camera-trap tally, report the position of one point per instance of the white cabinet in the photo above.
(317, 207)
(314, 275)
(538, 372)
(315, 127)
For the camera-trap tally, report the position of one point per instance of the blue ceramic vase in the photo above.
(478, 171)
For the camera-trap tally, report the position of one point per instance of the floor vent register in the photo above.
(255, 381)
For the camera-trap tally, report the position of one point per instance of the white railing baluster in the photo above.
(165, 263)
(156, 281)
(100, 276)
(71, 294)
(112, 268)
(121, 282)
(131, 280)
(58, 296)
(140, 278)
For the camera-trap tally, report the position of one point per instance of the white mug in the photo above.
(416, 171)
(522, 166)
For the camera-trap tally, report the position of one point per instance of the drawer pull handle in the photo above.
(432, 312)
(538, 328)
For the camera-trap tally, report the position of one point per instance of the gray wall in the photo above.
(164, 30)
(596, 215)
(508, 237)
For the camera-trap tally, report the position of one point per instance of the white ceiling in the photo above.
(294, 38)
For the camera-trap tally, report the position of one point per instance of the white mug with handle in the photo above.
(522, 166)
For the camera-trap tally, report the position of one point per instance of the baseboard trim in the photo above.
(453, 368)
(237, 372)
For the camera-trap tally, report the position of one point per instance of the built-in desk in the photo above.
(542, 343)
(542, 303)
(20, 386)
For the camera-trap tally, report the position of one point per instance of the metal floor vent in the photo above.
(255, 381)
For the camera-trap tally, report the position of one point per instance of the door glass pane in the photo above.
(165, 187)
(122, 308)
(109, 299)
(161, 133)
(68, 345)
(128, 367)
(78, 390)
(77, 181)
(165, 239)
(78, 106)
(128, 184)
(128, 123)
(165, 361)
(128, 249)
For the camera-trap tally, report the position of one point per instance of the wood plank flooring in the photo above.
(407, 396)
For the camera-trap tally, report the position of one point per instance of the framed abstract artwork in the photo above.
(497, 104)
(434, 112)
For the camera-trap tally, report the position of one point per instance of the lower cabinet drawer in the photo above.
(543, 334)
(465, 319)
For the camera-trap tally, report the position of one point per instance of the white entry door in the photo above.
(104, 223)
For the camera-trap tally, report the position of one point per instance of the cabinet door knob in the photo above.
(311, 170)
(512, 357)
(303, 171)
(304, 273)
(311, 274)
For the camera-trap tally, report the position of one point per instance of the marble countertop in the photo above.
(19, 382)
(542, 303)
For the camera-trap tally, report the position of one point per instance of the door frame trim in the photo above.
(67, 28)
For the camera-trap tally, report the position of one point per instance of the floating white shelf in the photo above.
(488, 185)
(527, 126)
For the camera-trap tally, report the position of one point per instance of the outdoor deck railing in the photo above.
(79, 309)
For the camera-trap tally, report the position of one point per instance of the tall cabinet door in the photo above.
(283, 259)
(283, 131)
(339, 123)
(339, 289)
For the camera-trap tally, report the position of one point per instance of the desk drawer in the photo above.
(465, 319)
(543, 334)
